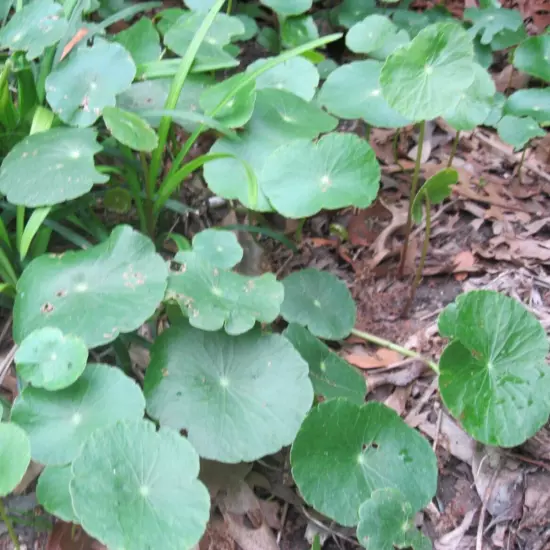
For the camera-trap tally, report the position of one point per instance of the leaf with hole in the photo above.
(518, 131)
(39, 24)
(475, 103)
(130, 129)
(436, 189)
(357, 450)
(288, 7)
(303, 178)
(321, 302)
(330, 375)
(141, 40)
(532, 56)
(494, 377)
(52, 492)
(534, 103)
(425, 78)
(239, 398)
(353, 91)
(15, 456)
(95, 294)
(219, 248)
(214, 298)
(490, 21)
(88, 80)
(58, 423)
(386, 522)
(51, 167)
(49, 359)
(129, 475)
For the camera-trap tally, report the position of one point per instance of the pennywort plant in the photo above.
(240, 366)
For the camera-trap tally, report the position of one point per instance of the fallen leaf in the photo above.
(382, 358)
(457, 539)
(80, 34)
(249, 538)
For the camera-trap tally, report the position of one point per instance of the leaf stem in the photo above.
(9, 526)
(19, 225)
(414, 186)
(453, 150)
(149, 192)
(394, 347)
(425, 246)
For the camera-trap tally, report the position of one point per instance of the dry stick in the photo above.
(453, 150)
(420, 268)
(9, 526)
(414, 185)
(394, 347)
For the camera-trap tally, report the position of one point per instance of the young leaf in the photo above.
(15, 456)
(320, 301)
(239, 398)
(296, 31)
(490, 21)
(532, 56)
(475, 103)
(134, 487)
(102, 395)
(130, 129)
(494, 376)
(51, 167)
(94, 294)
(88, 80)
(355, 451)
(297, 75)
(437, 189)
(288, 7)
(219, 248)
(518, 131)
(302, 178)
(425, 78)
(386, 521)
(534, 103)
(330, 375)
(52, 492)
(214, 298)
(49, 359)
(38, 25)
(353, 91)
(141, 40)
(370, 34)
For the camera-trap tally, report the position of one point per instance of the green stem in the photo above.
(394, 347)
(150, 192)
(9, 526)
(135, 189)
(19, 5)
(368, 128)
(521, 164)
(19, 225)
(395, 148)
(414, 185)
(425, 246)
(298, 236)
(453, 149)
(229, 6)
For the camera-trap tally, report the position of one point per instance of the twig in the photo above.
(6, 363)
(437, 429)
(283, 520)
(486, 497)
(5, 328)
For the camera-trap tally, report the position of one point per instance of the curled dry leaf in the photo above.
(80, 34)
(381, 358)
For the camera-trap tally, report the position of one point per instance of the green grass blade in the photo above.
(32, 227)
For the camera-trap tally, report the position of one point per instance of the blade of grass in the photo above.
(32, 227)
(68, 234)
(275, 235)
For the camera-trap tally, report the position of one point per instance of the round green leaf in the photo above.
(279, 117)
(475, 103)
(288, 7)
(239, 398)
(15, 456)
(49, 359)
(51, 167)
(297, 75)
(136, 488)
(425, 78)
(496, 110)
(506, 38)
(534, 103)
(437, 189)
(446, 322)
(52, 492)
(355, 451)
(494, 376)
(214, 298)
(320, 301)
(394, 41)
(59, 422)
(88, 80)
(117, 199)
(386, 522)
(296, 31)
(532, 56)
(199, 5)
(370, 34)
(130, 129)
(353, 91)
(38, 25)
(330, 375)
(302, 178)
(490, 21)
(219, 248)
(518, 131)
(94, 294)
(483, 53)
(141, 40)
(350, 12)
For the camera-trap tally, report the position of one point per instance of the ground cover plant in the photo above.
(100, 137)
